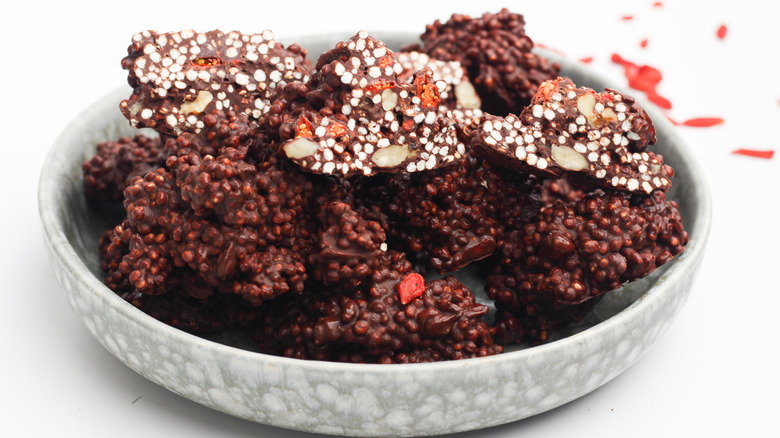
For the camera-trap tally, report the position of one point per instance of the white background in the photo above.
(715, 372)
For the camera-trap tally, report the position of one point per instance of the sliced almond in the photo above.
(390, 156)
(467, 96)
(300, 148)
(200, 103)
(389, 99)
(568, 158)
(134, 108)
(609, 115)
(586, 103)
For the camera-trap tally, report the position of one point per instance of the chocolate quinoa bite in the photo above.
(597, 139)
(234, 222)
(453, 216)
(356, 117)
(395, 318)
(497, 55)
(178, 77)
(552, 268)
(162, 242)
(228, 174)
(115, 163)
(347, 248)
(196, 315)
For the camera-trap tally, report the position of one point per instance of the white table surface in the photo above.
(713, 373)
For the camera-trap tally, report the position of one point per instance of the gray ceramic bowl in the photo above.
(354, 399)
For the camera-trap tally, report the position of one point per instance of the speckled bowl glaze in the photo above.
(355, 399)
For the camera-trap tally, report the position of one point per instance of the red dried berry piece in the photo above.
(721, 32)
(703, 122)
(208, 61)
(358, 117)
(643, 78)
(427, 91)
(411, 287)
(658, 100)
(304, 128)
(766, 154)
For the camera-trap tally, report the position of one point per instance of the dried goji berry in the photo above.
(304, 128)
(411, 287)
(766, 154)
(659, 100)
(643, 78)
(380, 85)
(385, 61)
(721, 33)
(429, 93)
(703, 122)
(337, 129)
(206, 61)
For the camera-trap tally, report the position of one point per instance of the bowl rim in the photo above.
(64, 251)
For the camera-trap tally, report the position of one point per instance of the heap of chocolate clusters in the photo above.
(307, 202)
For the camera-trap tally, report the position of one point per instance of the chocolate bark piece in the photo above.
(599, 139)
(497, 54)
(458, 99)
(574, 252)
(178, 77)
(355, 116)
(110, 170)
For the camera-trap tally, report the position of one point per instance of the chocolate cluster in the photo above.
(306, 201)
